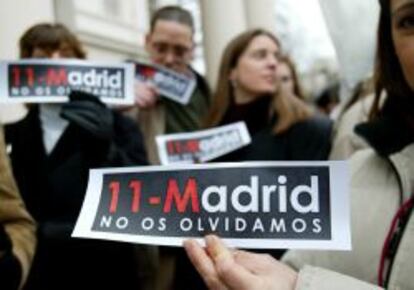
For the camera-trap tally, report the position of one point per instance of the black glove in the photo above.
(88, 112)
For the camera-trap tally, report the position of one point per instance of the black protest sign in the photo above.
(38, 80)
(257, 205)
(175, 86)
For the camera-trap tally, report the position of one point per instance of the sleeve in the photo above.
(127, 148)
(17, 222)
(312, 278)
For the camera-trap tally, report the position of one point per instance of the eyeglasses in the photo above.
(162, 49)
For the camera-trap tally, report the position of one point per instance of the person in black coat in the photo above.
(282, 126)
(52, 150)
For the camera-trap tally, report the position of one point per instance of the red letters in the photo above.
(114, 188)
(56, 77)
(136, 195)
(16, 76)
(181, 201)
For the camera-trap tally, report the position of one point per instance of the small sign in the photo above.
(170, 84)
(301, 205)
(202, 146)
(51, 81)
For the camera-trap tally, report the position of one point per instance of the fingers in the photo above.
(145, 95)
(268, 269)
(203, 264)
(255, 263)
(235, 276)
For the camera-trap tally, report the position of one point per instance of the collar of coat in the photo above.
(391, 135)
(388, 134)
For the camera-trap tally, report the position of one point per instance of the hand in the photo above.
(146, 95)
(223, 269)
(88, 112)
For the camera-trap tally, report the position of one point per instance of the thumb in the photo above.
(230, 272)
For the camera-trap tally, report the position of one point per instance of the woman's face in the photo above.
(255, 72)
(402, 27)
(285, 79)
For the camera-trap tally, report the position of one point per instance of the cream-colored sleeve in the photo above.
(312, 278)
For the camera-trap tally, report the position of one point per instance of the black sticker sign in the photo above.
(170, 84)
(52, 80)
(252, 204)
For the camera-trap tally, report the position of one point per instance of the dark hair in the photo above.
(389, 76)
(172, 13)
(289, 110)
(329, 95)
(51, 37)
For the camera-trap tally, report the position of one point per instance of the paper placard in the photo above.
(202, 146)
(170, 84)
(51, 81)
(303, 205)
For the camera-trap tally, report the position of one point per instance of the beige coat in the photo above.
(375, 195)
(13, 215)
(346, 142)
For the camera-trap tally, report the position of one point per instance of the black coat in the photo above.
(305, 141)
(53, 187)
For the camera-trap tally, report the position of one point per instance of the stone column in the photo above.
(222, 20)
(260, 14)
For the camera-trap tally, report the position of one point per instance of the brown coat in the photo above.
(13, 215)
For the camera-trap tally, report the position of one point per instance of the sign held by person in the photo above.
(51, 81)
(170, 84)
(251, 205)
(202, 146)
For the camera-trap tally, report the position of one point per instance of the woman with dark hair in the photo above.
(247, 90)
(382, 200)
(52, 150)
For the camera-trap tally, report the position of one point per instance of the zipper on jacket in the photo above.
(393, 240)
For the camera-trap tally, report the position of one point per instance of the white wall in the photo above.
(15, 17)
(18, 15)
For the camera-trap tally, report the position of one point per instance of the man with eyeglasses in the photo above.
(170, 43)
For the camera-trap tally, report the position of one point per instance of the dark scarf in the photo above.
(255, 114)
(392, 130)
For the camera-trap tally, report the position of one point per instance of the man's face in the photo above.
(171, 44)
